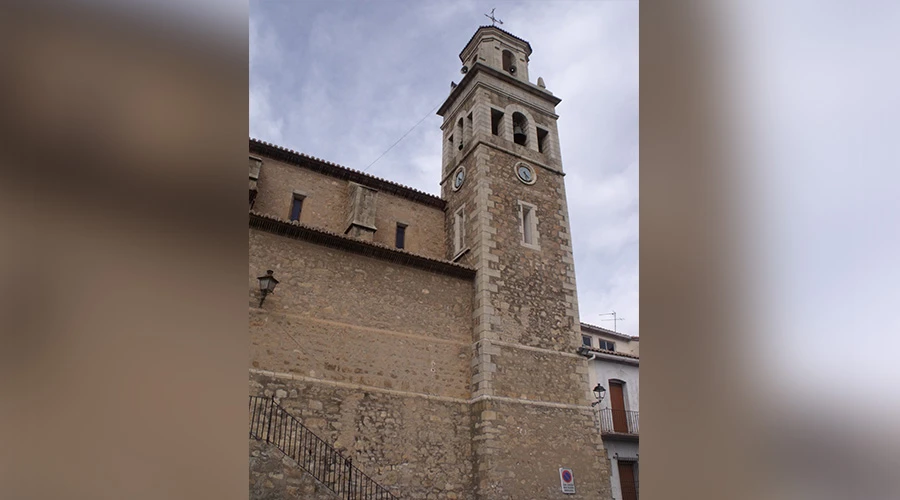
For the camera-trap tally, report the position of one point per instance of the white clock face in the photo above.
(460, 177)
(525, 174)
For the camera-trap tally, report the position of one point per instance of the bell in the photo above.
(519, 133)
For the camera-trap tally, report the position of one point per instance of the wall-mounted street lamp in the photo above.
(266, 285)
(599, 392)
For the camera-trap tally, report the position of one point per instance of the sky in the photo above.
(814, 87)
(343, 80)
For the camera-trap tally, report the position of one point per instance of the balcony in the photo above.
(621, 423)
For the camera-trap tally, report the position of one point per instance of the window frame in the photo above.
(528, 218)
(295, 198)
(459, 231)
(604, 342)
(400, 235)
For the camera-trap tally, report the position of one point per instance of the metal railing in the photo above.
(619, 422)
(271, 423)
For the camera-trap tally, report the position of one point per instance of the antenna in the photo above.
(614, 319)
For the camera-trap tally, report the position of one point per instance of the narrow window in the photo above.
(401, 235)
(296, 207)
(586, 340)
(469, 128)
(542, 140)
(252, 198)
(520, 129)
(459, 230)
(509, 62)
(607, 345)
(496, 120)
(450, 140)
(459, 130)
(528, 224)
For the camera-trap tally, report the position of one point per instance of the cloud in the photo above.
(344, 80)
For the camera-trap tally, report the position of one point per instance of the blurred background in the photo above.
(123, 255)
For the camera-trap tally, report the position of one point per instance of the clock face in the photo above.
(460, 177)
(525, 174)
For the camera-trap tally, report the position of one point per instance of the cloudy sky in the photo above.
(342, 80)
(819, 114)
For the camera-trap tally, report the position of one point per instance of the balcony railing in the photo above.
(622, 422)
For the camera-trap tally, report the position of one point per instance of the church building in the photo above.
(420, 346)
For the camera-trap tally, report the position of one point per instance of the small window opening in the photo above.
(459, 230)
(509, 62)
(607, 345)
(401, 235)
(528, 224)
(586, 340)
(296, 207)
(469, 128)
(520, 129)
(450, 140)
(252, 199)
(542, 140)
(459, 130)
(496, 120)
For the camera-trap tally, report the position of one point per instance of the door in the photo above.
(627, 482)
(617, 401)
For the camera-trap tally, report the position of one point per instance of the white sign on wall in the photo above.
(566, 481)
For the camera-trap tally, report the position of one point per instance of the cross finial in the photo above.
(493, 19)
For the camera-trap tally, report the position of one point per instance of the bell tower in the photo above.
(507, 217)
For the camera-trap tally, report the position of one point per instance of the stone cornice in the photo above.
(320, 236)
(480, 140)
(498, 31)
(480, 67)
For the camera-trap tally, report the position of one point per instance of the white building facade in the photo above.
(614, 366)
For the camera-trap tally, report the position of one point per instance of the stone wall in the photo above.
(536, 288)
(419, 447)
(327, 205)
(534, 442)
(273, 476)
(373, 356)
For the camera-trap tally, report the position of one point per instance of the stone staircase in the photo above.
(288, 461)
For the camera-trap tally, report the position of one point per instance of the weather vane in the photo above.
(493, 19)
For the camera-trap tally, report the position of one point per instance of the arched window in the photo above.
(509, 62)
(459, 130)
(520, 129)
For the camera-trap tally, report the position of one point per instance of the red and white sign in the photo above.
(566, 481)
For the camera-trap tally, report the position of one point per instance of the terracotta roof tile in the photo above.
(330, 168)
(607, 331)
(585, 349)
(298, 230)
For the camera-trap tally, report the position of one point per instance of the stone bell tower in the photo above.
(507, 217)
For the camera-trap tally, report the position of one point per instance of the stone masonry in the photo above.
(447, 369)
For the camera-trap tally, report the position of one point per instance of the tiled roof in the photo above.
(335, 170)
(498, 29)
(584, 350)
(600, 329)
(300, 231)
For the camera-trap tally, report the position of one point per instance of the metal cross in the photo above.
(493, 19)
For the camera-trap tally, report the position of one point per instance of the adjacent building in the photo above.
(614, 362)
